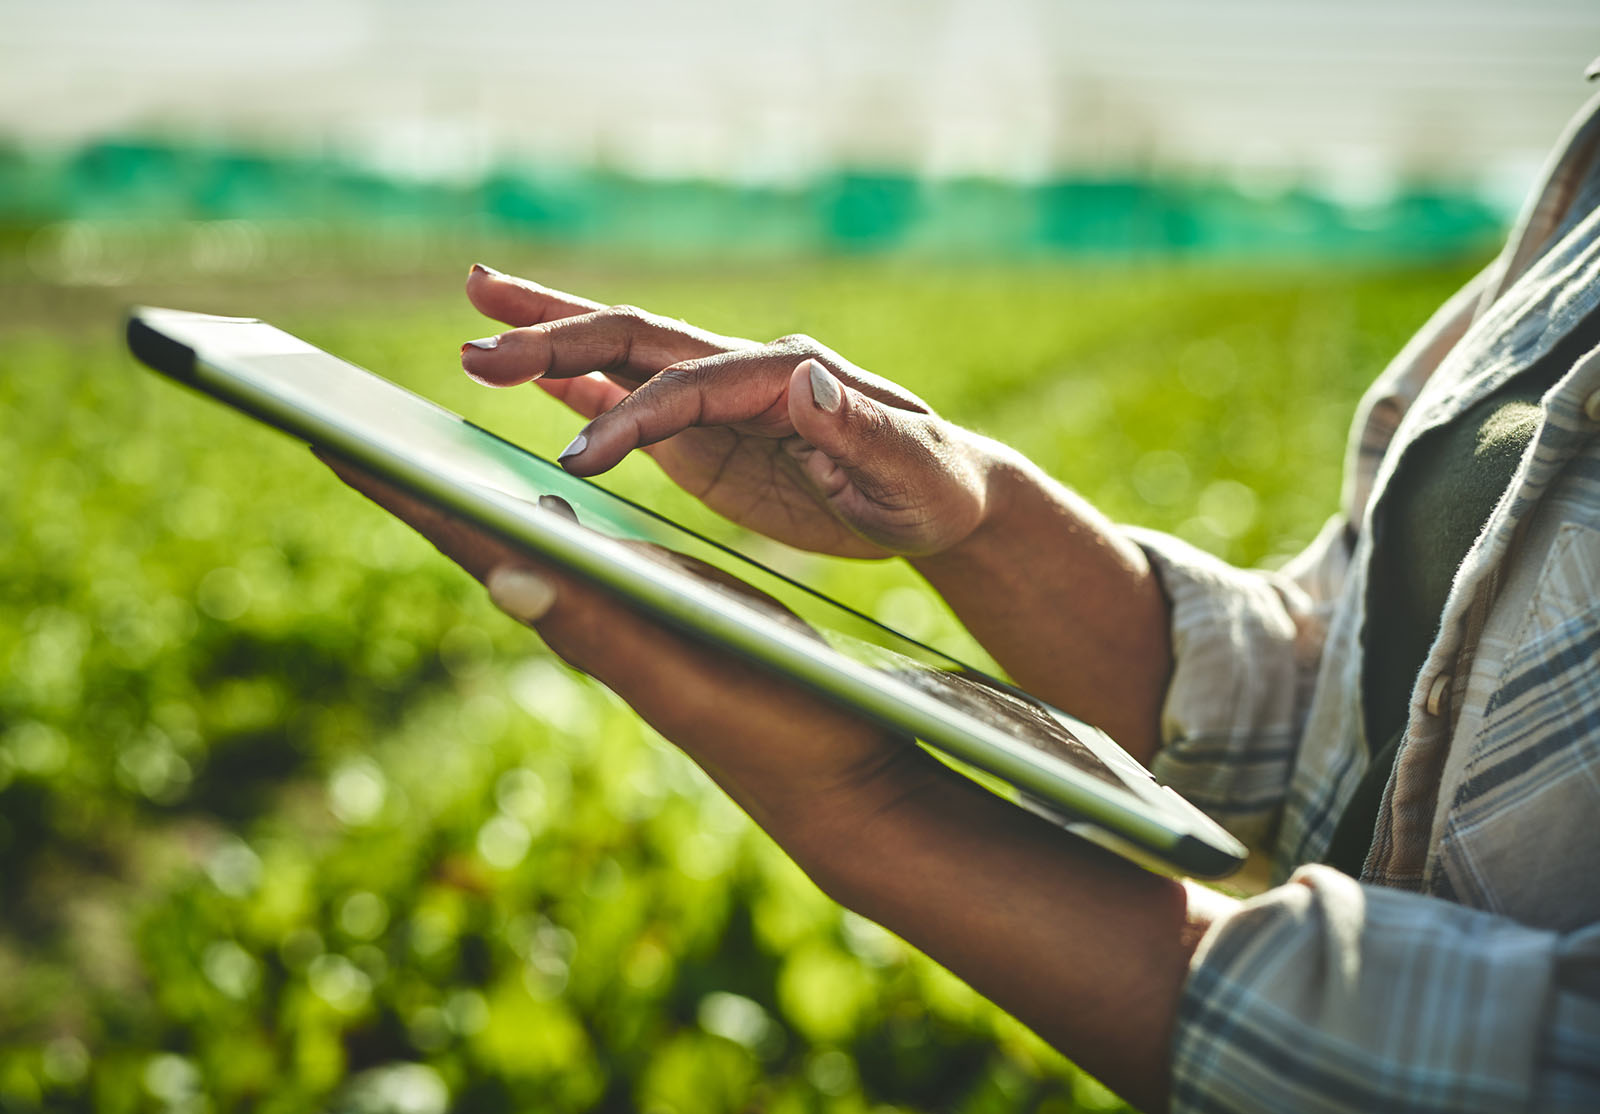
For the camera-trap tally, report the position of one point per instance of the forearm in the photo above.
(1068, 606)
(1087, 950)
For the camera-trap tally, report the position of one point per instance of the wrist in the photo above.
(864, 868)
(1004, 479)
(1063, 600)
(829, 829)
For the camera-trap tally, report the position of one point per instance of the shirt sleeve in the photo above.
(1248, 645)
(1246, 649)
(1327, 995)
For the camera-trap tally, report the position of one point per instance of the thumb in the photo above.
(902, 478)
(853, 430)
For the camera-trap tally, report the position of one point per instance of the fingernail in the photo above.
(579, 443)
(524, 596)
(487, 343)
(825, 390)
(484, 269)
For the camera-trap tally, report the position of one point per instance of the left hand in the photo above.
(1088, 950)
(806, 770)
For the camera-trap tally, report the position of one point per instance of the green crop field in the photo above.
(292, 820)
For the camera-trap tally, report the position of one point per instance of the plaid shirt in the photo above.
(1462, 971)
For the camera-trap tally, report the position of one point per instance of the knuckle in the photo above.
(676, 377)
(627, 314)
(935, 435)
(800, 344)
(873, 423)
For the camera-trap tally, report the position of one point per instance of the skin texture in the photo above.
(1063, 602)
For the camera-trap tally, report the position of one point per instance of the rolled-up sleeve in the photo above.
(1246, 649)
(1327, 995)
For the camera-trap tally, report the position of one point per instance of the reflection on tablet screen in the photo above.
(982, 698)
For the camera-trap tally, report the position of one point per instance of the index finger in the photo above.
(519, 301)
(622, 341)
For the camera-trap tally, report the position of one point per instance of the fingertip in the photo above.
(473, 363)
(478, 274)
(594, 451)
(816, 402)
(521, 593)
(827, 393)
(831, 416)
(482, 273)
(499, 296)
(575, 448)
(581, 457)
(557, 505)
(495, 361)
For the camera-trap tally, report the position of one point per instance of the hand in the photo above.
(1066, 603)
(805, 770)
(788, 438)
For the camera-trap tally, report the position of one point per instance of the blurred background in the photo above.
(290, 819)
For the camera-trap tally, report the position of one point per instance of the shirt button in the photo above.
(1437, 691)
(1591, 407)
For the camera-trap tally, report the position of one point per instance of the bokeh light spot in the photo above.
(363, 915)
(356, 792)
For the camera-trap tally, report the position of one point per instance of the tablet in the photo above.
(1058, 765)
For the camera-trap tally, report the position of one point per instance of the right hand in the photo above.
(787, 438)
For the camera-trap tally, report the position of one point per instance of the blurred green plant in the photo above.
(291, 820)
